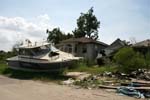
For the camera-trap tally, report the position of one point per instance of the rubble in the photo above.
(77, 75)
(93, 81)
(74, 77)
(141, 74)
(68, 82)
(135, 84)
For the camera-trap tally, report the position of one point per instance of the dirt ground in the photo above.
(15, 89)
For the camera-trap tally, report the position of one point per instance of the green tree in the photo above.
(147, 58)
(2, 55)
(87, 25)
(69, 35)
(56, 35)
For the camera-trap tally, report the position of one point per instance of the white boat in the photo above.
(40, 57)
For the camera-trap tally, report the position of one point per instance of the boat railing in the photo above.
(24, 58)
(30, 59)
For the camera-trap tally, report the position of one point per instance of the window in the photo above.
(84, 50)
(69, 48)
(25, 52)
(75, 48)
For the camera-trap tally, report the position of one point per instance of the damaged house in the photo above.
(115, 46)
(83, 47)
(143, 46)
(110, 50)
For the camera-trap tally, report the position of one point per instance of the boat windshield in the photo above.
(35, 51)
(41, 50)
(25, 52)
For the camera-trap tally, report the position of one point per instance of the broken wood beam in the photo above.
(108, 87)
(115, 87)
(140, 81)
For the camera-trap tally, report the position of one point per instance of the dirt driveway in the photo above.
(14, 89)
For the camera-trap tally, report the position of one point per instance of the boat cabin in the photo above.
(37, 50)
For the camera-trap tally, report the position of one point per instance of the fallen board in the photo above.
(115, 87)
(108, 87)
(137, 84)
(140, 81)
(142, 88)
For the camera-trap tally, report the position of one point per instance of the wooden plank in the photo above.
(107, 87)
(136, 85)
(115, 87)
(142, 88)
(140, 81)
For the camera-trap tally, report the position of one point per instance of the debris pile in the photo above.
(135, 84)
(86, 80)
(94, 81)
(75, 76)
(78, 75)
(141, 74)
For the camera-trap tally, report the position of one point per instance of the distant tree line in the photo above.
(87, 26)
(4, 55)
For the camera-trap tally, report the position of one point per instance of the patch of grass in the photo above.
(3, 66)
(94, 69)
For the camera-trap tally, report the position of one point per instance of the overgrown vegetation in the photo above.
(130, 60)
(147, 58)
(3, 66)
(4, 55)
(125, 60)
(83, 66)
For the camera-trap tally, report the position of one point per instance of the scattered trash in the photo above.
(136, 84)
(89, 88)
(130, 91)
(68, 82)
(141, 74)
(78, 75)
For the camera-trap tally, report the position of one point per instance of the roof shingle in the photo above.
(83, 40)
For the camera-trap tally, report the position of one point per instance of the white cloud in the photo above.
(43, 20)
(13, 29)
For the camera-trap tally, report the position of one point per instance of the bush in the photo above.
(129, 60)
(147, 59)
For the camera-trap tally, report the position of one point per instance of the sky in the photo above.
(28, 19)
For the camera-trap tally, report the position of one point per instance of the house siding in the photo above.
(88, 51)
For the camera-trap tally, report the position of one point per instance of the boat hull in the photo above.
(38, 66)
